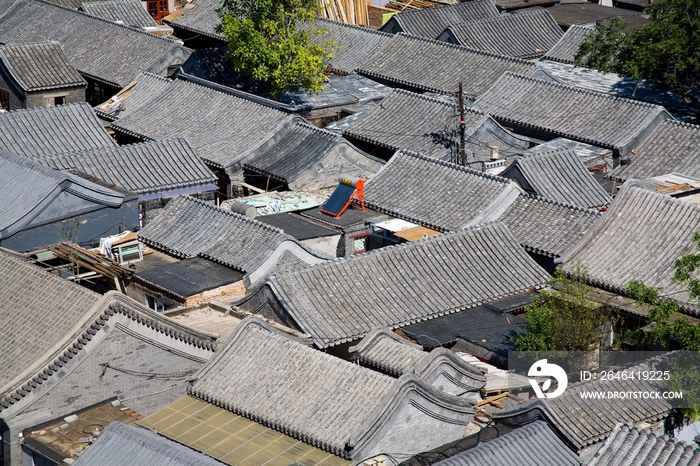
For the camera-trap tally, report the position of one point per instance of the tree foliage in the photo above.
(666, 51)
(562, 319)
(266, 44)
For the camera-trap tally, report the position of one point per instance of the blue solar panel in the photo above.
(338, 199)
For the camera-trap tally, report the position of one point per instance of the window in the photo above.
(59, 100)
(359, 243)
(155, 304)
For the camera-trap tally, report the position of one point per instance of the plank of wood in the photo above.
(491, 398)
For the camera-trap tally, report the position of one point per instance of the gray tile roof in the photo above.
(27, 188)
(149, 167)
(45, 131)
(355, 44)
(328, 402)
(584, 422)
(135, 95)
(525, 35)
(340, 90)
(558, 175)
(429, 126)
(130, 12)
(200, 111)
(96, 47)
(436, 66)
(188, 227)
(591, 156)
(121, 444)
(565, 49)
(305, 154)
(574, 113)
(610, 83)
(533, 444)
(30, 292)
(40, 67)
(672, 149)
(631, 445)
(546, 227)
(201, 19)
(640, 238)
(64, 317)
(430, 22)
(439, 195)
(386, 351)
(418, 282)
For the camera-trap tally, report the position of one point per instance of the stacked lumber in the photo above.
(408, 5)
(348, 11)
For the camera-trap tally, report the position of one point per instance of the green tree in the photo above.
(666, 324)
(562, 319)
(266, 44)
(666, 51)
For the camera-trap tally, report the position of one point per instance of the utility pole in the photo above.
(462, 141)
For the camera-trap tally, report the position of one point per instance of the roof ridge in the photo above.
(454, 166)
(579, 90)
(356, 27)
(29, 44)
(49, 109)
(562, 204)
(463, 48)
(170, 41)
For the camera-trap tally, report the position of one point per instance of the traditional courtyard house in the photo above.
(559, 176)
(448, 197)
(429, 23)
(94, 348)
(385, 351)
(41, 132)
(38, 75)
(42, 207)
(188, 228)
(672, 149)
(305, 155)
(201, 107)
(526, 35)
(434, 132)
(421, 280)
(427, 65)
(658, 228)
(544, 110)
(89, 44)
(157, 171)
(339, 407)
